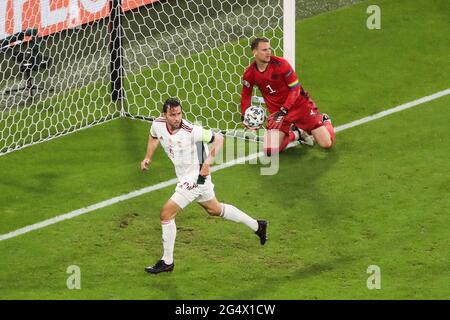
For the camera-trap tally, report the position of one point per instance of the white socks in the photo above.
(169, 228)
(232, 213)
(169, 233)
(296, 134)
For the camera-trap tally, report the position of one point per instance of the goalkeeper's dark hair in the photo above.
(171, 103)
(255, 43)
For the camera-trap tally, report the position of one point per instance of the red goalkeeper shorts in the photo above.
(305, 116)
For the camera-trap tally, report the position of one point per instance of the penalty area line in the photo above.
(228, 164)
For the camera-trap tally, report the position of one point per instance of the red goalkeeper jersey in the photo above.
(278, 84)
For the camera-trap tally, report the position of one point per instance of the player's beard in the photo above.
(175, 126)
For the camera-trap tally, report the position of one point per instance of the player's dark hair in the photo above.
(255, 43)
(171, 103)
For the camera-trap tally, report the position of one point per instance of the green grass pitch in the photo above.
(379, 197)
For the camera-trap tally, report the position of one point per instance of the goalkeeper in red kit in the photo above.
(293, 115)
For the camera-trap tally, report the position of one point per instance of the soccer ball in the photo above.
(254, 117)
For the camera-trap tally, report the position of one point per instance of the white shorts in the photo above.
(186, 192)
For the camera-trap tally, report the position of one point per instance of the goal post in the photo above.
(114, 58)
(289, 31)
(116, 53)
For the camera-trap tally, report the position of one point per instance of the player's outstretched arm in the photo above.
(246, 97)
(151, 147)
(214, 150)
(246, 94)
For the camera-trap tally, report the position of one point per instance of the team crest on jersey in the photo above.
(246, 83)
(275, 76)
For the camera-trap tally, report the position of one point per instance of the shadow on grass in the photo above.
(298, 181)
(270, 283)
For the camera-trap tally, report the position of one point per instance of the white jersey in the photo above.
(186, 148)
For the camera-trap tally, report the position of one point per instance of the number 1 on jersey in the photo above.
(270, 88)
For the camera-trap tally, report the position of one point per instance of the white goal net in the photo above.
(75, 65)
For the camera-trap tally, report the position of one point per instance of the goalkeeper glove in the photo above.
(276, 119)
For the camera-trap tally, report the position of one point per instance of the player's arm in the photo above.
(151, 147)
(293, 84)
(290, 78)
(216, 140)
(246, 94)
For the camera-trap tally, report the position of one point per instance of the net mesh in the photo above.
(59, 82)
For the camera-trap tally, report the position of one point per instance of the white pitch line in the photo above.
(170, 182)
(90, 208)
(393, 110)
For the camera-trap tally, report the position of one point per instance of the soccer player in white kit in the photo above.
(185, 145)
